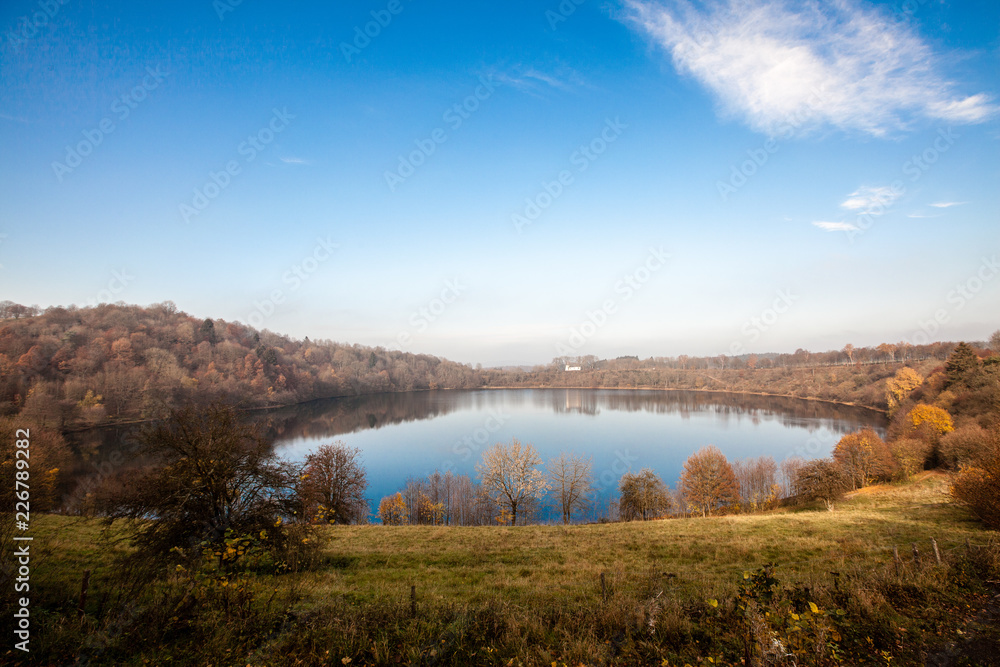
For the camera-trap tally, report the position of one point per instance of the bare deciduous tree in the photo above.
(571, 483)
(788, 473)
(849, 351)
(757, 480)
(822, 479)
(643, 496)
(509, 472)
(334, 484)
(995, 341)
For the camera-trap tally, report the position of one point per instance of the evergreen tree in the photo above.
(962, 365)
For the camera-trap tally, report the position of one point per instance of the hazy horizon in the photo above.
(507, 184)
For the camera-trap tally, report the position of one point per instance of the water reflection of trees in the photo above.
(581, 401)
(338, 416)
(347, 415)
(727, 408)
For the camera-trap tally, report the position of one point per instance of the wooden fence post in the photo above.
(937, 553)
(83, 593)
(916, 555)
(413, 601)
(604, 589)
(895, 558)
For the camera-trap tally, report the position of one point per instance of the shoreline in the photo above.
(264, 408)
(706, 391)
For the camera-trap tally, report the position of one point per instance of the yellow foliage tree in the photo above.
(429, 512)
(930, 418)
(91, 400)
(392, 510)
(899, 387)
(91, 409)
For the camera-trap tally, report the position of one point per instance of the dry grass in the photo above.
(463, 564)
(533, 594)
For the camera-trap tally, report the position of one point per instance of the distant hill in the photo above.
(68, 367)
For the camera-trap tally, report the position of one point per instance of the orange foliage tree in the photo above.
(864, 457)
(708, 481)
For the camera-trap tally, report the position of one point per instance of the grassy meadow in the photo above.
(675, 592)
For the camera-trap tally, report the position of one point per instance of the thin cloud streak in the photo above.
(533, 80)
(836, 226)
(870, 200)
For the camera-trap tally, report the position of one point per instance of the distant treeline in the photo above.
(852, 375)
(862, 385)
(76, 367)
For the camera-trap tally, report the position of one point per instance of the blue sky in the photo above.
(507, 182)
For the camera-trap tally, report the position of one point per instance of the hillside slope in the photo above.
(70, 367)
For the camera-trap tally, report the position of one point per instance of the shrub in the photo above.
(822, 479)
(961, 445)
(911, 454)
(213, 479)
(977, 484)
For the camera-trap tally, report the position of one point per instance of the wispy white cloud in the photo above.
(294, 160)
(865, 203)
(948, 204)
(870, 200)
(533, 74)
(16, 119)
(789, 67)
(836, 226)
(532, 79)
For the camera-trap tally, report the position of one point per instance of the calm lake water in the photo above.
(414, 434)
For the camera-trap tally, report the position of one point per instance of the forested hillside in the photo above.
(857, 383)
(75, 367)
(67, 367)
